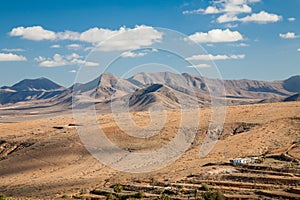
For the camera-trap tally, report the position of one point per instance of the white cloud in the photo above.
(239, 45)
(261, 17)
(123, 39)
(60, 60)
(11, 57)
(289, 35)
(13, 50)
(57, 61)
(227, 18)
(291, 19)
(237, 8)
(73, 71)
(88, 48)
(214, 57)
(198, 11)
(74, 46)
(231, 25)
(130, 54)
(68, 35)
(36, 33)
(39, 59)
(73, 56)
(231, 9)
(84, 63)
(202, 65)
(55, 46)
(211, 10)
(242, 45)
(129, 39)
(225, 6)
(216, 35)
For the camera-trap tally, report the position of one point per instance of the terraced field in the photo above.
(253, 181)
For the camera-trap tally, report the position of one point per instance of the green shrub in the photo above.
(164, 197)
(65, 196)
(100, 192)
(205, 187)
(3, 197)
(118, 188)
(170, 192)
(213, 195)
(139, 195)
(110, 197)
(78, 197)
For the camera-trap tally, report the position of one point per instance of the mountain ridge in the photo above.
(190, 87)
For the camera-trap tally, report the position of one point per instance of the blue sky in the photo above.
(253, 39)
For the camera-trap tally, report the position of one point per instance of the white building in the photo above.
(248, 160)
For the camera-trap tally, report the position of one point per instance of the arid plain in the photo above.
(42, 156)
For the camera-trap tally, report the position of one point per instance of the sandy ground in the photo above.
(57, 163)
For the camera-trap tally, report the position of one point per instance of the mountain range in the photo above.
(151, 90)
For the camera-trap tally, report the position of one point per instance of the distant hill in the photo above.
(155, 94)
(295, 97)
(292, 84)
(144, 90)
(40, 84)
(30, 89)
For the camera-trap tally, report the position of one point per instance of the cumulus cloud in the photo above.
(67, 35)
(73, 71)
(123, 39)
(11, 57)
(230, 11)
(227, 18)
(243, 45)
(39, 59)
(36, 33)
(198, 11)
(129, 39)
(237, 8)
(214, 57)
(13, 50)
(291, 19)
(59, 60)
(261, 17)
(74, 46)
(202, 65)
(80, 62)
(225, 6)
(131, 54)
(55, 46)
(56, 61)
(216, 35)
(289, 35)
(298, 49)
(229, 25)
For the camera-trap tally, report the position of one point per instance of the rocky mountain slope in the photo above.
(144, 90)
(30, 89)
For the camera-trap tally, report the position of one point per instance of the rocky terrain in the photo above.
(43, 156)
(191, 90)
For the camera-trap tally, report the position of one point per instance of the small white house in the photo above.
(237, 161)
(246, 160)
